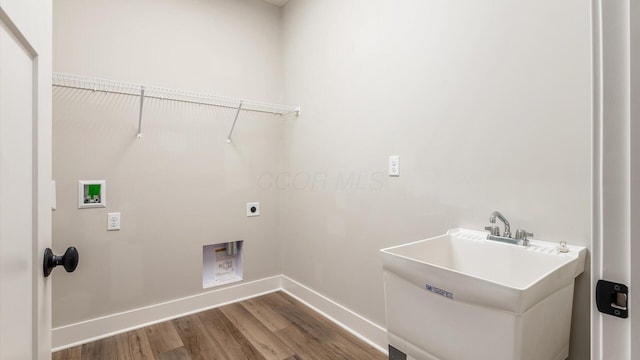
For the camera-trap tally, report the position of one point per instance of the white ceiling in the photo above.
(277, 2)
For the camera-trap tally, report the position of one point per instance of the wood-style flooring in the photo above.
(270, 327)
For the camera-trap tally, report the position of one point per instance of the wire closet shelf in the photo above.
(154, 92)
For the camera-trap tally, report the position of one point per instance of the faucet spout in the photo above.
(507, 226)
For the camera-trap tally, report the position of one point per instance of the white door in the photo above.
(25, 175)
(616, 168)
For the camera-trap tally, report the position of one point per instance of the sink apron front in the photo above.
(427, 326)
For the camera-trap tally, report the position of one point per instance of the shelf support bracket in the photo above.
(234, 123)
(139, 134)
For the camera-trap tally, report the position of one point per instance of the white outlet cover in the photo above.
(113, 221)
(253, 209)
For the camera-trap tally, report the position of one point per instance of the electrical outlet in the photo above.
(253, 209)
(113, 221)
(394, 165)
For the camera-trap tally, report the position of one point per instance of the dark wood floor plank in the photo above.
(175, 354)
(263, 310)
(328, 332)
(104, 349)
(271, 327)
(74, 353)
(134, 345)
(233, 343)
(319, 327)
(304, 345)
(312, 338)
(197, 341)
(163, 337)
(258, 335)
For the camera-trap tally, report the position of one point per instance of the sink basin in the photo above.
(472, 268)
(480, 284)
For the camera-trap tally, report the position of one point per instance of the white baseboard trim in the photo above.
(363, 328)
(71, 335)
(67, 336)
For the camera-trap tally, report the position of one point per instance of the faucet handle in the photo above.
(522, 234)
(494, 230)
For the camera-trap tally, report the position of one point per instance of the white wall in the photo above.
(225, 47)
(486, 102)
(181, 186)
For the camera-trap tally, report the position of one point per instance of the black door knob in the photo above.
(69, 260)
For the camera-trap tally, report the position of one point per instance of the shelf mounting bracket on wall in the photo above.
(139, 134)
(234, 123)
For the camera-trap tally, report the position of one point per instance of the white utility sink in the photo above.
(502, 301)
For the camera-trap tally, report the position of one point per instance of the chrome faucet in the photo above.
(507, 226)
(521, 237)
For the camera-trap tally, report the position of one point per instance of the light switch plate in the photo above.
(394, 165)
